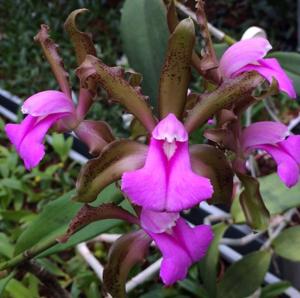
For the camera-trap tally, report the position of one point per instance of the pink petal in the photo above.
(195, 240)
(185, 188)
(287, 167)
(292, 146)
(157, 222)
(264, 132)
(181, 248)
(166, 185)
(147, 186)
(47, 102)
(16, 132)
(27, 137)
(269, 69)
(170, 129)
(242, 53)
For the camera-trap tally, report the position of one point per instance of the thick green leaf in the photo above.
(4, 281)
(287, 244)
(115, 159)
(274, 290)
(193, 287)
(144, 33)
(290, 61)
(124, 254)
(277, 197)
(236, 212)
(256, 213)
(17, 290)
(209, 265)
(220, 49)
(6, 248)
(245, 276)
(53, 222)
(119, 90)
(176, 72)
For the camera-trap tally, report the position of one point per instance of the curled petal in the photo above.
(47, 102)
(166, 185)
(269, 69)
(181, 248)
(243, 53)
(170, 129)
(287, 167)
(27, 137)
(292, 146)
(158, 222)
(263, 132)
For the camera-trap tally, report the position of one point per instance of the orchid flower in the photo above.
(167, 182)
(248, 55)
(270, 137)
(180, 244)
(47, 108)
(44, 109)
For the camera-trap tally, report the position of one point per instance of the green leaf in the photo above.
(53, 222)
(287, 244)
(116, 158)
(245, 276)
(274, 290)
(144, 33)
(209, 265)
(193, 287)
(61, 145)
(4, 281)
(290, 61)
(220, 49)
(176, 72)
(236, 212)
(273, 191)
(17, 290)
(256, 213)
(6, 248)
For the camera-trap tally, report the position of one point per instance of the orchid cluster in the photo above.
(160, 173)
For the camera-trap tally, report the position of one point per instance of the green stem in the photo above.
(230, 92)
(27, 255)
(229, 40)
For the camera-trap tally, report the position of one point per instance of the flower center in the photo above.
(169, 148)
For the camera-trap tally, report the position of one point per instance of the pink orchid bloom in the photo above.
(43, 109)
(270, 137)
(248, 55)
(180, 244)
(167, 182)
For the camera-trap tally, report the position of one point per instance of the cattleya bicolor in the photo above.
(171, 185)
(44, 109)
(248, 55)
(56, 109)
(173, 235)
(272, 138)
(166, 175)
